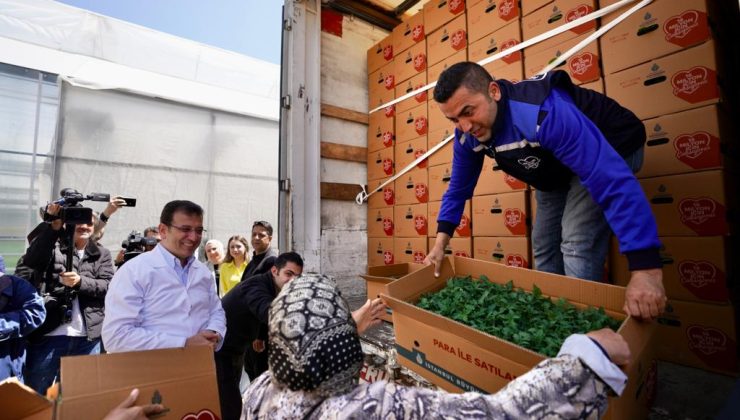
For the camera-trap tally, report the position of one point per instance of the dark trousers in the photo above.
(228, 373)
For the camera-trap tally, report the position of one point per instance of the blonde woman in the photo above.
(234, 264)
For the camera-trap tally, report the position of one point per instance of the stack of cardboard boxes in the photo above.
(665, 64)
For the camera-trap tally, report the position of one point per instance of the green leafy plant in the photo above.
(530, 320)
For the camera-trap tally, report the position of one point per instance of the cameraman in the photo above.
(74, 300)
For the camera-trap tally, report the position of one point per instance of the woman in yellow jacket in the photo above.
(234, 264)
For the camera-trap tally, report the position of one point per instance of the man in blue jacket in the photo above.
(21, 311)
(578, 149)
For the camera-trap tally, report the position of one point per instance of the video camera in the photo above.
(136, 244)
(72, 211)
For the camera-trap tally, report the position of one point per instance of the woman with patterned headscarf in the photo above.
(315, 361)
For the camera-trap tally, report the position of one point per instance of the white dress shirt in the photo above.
(148, 307)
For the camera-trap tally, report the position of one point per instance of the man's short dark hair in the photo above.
(183, 206)
(266, 225)
(283, 259)
(469, 74)
(152, 229)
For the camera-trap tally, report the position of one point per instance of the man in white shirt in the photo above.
(165, 298)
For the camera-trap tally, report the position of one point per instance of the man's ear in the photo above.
(162, 228)
(494, 91)
(274, 271)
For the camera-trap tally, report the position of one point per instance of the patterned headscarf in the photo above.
(314, 345)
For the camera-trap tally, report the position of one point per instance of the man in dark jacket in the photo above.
(75, 299)
(578, 149)
(264, 255)
(21, 312)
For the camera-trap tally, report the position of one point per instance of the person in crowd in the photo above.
(114, 204)
(578, 149)
(74, 297)
(151, 232)
(263, 254)
(247, 307)
(165, 298)
(316, 357)
(214, 258)
(234, 264)
(21, 312)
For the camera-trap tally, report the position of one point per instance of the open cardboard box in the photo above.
(20, 402)
(379, 276)
(459, 358)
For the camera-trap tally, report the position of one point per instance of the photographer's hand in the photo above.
(53, 210)
(69, 279)
(115, 203)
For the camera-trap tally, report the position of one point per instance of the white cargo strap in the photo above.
(364, 195)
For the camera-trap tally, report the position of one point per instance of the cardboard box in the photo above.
(582, 67)
(695, 204)
(410, 250)
(558, 13)
(437, 69)
(412, 187)
(416, 82)
(378, 276)
(439, 12)
(380, 222)
(597, 85)
(381, 85)
(529, 6)
(380, 251)
(20, 402)
(532, 209)
(382, 198)
(410, 62)
(408, 33)
(660, 28)
(493, 180)
(501, 214)
(684, 80)
(487, 16)
(439, 179)
(694, 269)
(380, 54)
(459, 247)
(412, 123)
(443, 155)
(463, 230)
(183, 379)
(485, 363)
(411, 220)
(437, 120)
(500, 40)
(381, 132)
(408, 151)
(447, 40)
(512, 251)
(698, 335)
(380, 164)
(687, 141)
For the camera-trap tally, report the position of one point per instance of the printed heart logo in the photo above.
(388, 226)
(420, 125)
(456, 6)
(579, 12)
(584, 66)
(420, 62)
(417, 34)
(686, 29)
(514, 221)
(703, 215)
(462, 254)
(508, 9)
(703, 279)
(514, 183)
(389, 81)
(419, 257)
(421, 96)
(388, 53)
(420, 224)
(387, 139)
(389, 196)
(458, 40)
(697, 150)
(390, 111)
(695, 85)
(463, 229)
(516, 260)
(513, 57)
(423, 163)
(387, 166)
(706, 340)
(204, 414)
(387, 257)
(422, 193)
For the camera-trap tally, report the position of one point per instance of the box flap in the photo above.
(20, 402)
